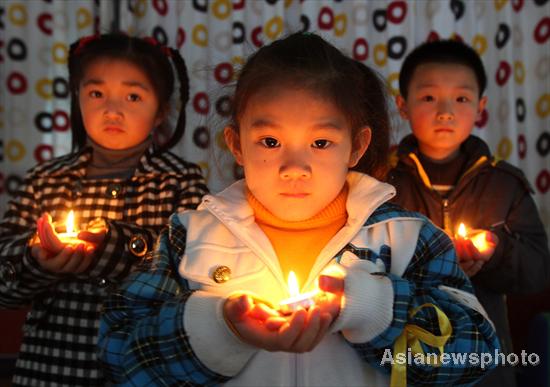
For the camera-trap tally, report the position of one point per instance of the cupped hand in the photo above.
(47, 235)
(94, 238)
(263, 327)
(95, 232)
(471, 266)
(57, 257)
(329, 299)
(466, 249)
(68, 260)
(472, 256)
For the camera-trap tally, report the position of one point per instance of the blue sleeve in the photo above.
(142, 340)
(419, 294)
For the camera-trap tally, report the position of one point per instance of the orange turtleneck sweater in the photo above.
(297, 244)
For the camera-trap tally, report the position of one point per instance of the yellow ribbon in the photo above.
(411, 337)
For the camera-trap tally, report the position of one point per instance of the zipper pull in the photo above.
(446, 217)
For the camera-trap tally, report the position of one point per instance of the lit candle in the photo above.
(70, 236)
(296, 299)
(479, 239)
(462, 233)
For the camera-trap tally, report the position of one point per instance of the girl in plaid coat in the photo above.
(117, 181)
(209, 306)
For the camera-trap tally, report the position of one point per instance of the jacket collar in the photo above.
(477, 154)
(365, 195)
(474, 147)
(230, 206)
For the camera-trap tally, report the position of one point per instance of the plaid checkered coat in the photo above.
(60, 333)
(165, 326)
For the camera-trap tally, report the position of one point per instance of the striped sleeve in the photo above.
(21, 277)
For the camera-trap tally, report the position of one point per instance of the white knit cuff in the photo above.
(367, 308)
(211, 339)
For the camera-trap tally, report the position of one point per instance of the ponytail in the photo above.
(183, 77)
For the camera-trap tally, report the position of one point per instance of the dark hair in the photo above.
(444, 52)
(307, 61)
(147, 54)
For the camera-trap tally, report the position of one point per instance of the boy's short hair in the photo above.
(444, 52)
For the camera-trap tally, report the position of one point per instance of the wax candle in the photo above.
(462, 233)
(70, 236)
(296, 299)
(479, 239)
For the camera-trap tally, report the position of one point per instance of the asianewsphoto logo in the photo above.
(483, 360)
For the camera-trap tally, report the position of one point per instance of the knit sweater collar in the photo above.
(334, 211)
(113, 162)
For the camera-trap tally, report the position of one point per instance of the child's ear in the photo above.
(233, 141)
(158, 121)
(360, 144)
(481, 106)
(161, 115)
(402, 106)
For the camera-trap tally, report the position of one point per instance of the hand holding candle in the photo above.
(484, 242)
(64, 252)
(300, 324)
(331, 294)
(256, 324)
(474, 248)
(54, 241)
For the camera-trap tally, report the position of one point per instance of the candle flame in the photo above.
(69, 223)
(480, 242)
(462, 230)
(293, 287)
(479, 239)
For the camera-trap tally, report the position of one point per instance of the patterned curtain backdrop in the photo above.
(215, 37)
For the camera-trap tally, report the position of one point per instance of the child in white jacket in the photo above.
(385, 284)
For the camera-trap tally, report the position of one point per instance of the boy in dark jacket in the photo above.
(450, 176)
